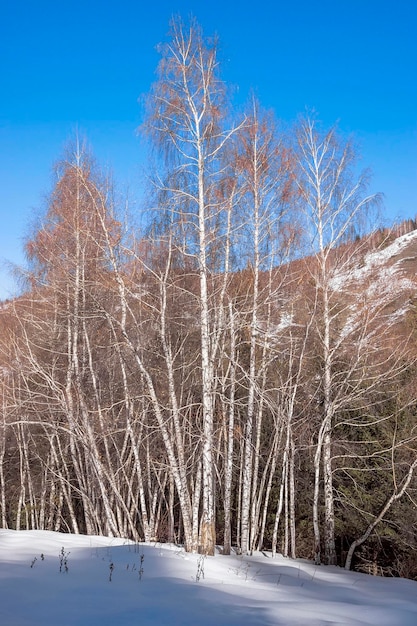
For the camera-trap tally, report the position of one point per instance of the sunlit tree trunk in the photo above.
(230, 409)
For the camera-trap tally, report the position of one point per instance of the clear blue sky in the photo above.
(84, 64)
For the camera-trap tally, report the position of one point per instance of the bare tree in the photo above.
(187, 116)
(333, 202)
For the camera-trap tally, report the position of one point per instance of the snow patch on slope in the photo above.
(373, 261)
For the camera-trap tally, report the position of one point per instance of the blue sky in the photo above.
(68, 65)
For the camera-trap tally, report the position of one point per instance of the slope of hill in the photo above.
(397, 258)
(382, 280)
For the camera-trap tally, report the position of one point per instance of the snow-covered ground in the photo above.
(106, 582)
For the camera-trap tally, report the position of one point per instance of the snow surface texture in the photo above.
(51, 579)
(374, 260)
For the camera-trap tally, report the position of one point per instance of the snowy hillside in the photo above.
(106, 582)
(386, 264)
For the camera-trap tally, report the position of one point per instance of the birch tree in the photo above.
(263, 166)
(333, 202)
(187, 117)
(70, 272)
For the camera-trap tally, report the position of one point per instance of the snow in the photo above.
(374, 260)
(375, 284)
(396, 247)
(285, 322)
(175, 588)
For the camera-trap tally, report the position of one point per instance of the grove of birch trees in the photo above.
(212, 379)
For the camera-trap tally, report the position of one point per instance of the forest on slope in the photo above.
(221, 377)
